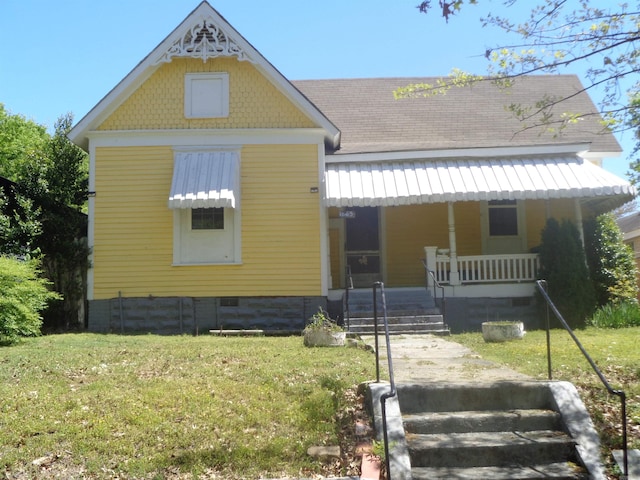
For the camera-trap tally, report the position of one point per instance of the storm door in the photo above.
(363, 245)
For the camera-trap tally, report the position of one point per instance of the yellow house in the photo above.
(224, 195)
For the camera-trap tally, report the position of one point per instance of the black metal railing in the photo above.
(348, 286)
(542, 287)
(436, 285)
(392, 391)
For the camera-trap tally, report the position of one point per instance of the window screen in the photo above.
(207, 219)
(503, 218)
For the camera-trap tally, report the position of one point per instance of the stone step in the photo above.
(397, 312)
(483, 421)
(442, 332)
(555, 471)
(397, 329)
(486, 449)
(398, 320)
(412, 298)
(451, 397)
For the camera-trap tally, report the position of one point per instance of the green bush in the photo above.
(616, 315)
(611, 262)
(23, 295)
(563, 266)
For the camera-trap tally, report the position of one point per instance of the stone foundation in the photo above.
(194, 316)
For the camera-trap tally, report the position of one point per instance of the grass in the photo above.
(616, 353)
(105, 406)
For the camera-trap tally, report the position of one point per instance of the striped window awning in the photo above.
(364, 184)
(205, 180)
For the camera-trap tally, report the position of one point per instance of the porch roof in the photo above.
(362, 184)
(205, 180)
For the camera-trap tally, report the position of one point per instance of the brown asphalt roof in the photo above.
(371, 120)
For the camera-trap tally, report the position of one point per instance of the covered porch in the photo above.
(474, 221)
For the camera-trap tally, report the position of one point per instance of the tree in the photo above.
(64, 226)
(22, 143)
(600, 35)
(611, 263)
(563, 266)
(41, 208)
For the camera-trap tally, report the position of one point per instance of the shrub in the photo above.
(611, 262)
(563, 266)
(23, 295)
(617, 315)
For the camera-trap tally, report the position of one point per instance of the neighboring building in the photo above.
(630, 228)
(228, 196)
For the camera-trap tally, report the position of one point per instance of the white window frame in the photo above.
(198, 247)
(206, 95)
(503, 244)
(190, 247)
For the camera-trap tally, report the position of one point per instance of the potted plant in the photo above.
(322, 331)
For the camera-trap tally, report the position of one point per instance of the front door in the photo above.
(363, 245)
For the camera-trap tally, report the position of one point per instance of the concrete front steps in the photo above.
(507, 430)
(400, 323)
(409, 311)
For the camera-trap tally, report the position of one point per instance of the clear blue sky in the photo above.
(59, 56)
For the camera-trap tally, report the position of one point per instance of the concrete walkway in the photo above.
(430, 358)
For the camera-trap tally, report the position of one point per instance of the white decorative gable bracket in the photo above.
(204, 40)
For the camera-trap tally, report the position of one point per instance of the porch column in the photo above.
(454, 275)
(430, 259)
(578, 209)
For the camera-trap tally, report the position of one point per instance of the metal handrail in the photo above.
(348, 286)
(436, 284)
(542, 287)
(392, 392)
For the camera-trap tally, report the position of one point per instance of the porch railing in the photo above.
(509, 268)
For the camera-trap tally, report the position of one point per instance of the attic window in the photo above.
(206, 95)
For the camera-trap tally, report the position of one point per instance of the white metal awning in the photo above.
(205, 180)
(363, 184)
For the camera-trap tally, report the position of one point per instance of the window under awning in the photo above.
(205, 180)
(363, 184)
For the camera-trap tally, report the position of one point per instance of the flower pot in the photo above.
(502, 331)
(324, 338)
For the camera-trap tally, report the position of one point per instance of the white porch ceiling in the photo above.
(371, 184)
(205, 180)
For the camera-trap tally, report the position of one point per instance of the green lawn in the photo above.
(106, 406)
(615, 351)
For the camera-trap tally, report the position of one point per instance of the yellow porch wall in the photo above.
(159, 102)
(133, 236)
(408, 229)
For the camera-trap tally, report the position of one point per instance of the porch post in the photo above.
(578, 209)
(430, 259)
(454, 275)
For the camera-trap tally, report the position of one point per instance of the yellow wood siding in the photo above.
(159, 102)
(408, 230)
(468, 228)
(536, 214)
(133, 249)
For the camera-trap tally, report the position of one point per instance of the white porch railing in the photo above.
(508, 268)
